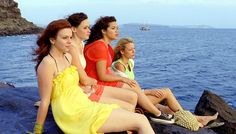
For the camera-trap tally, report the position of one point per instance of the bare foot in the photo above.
(205, 119)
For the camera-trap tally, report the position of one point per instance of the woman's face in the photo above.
(112, 31)
(63, 39)
(129, 51)
(83, 31)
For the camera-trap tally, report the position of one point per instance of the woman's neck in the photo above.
(78, 44)
(56, 52)
(77, 39)
(124, 60)
(106, 40)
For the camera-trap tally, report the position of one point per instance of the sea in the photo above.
(186, 60)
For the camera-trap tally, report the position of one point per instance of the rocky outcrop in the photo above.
(174, 129)
(6, 85)
(209, 103)
(18, 114)
(11, 21)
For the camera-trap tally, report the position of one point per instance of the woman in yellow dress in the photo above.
(58, 81)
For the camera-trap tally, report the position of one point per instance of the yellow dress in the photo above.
(73, 112)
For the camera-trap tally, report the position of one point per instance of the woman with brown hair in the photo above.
(99, 93)
(99, 56)
(58, 85)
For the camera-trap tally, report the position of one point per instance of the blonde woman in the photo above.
(123, 65)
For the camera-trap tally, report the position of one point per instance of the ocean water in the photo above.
(186, 60)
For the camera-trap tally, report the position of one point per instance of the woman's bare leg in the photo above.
(122, 104)
(143, 100)
(121, 94)
(121, 120)
(165, 94)
(125, 98)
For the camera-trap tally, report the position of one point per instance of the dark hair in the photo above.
(43, 41)
(101, 24)
(76, 18)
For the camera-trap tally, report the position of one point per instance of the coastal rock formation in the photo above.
(6, 85)
(209, 103)
(11, 21)
(18, 114)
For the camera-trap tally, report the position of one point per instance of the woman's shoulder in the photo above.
(68, 56)
(96, 46)
(47, 63)
(96, 43)
(119, 66)
(48, 60)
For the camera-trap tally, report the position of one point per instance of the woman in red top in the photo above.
(99, 93)
(99, 56)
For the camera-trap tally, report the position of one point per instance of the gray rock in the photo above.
(209, 103)
(18, 114)
(6, 85)
(174, 129)
(12, 23)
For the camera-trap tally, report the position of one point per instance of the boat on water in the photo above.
(144, 28)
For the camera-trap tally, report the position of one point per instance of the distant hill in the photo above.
(11, 21)
(137, 25)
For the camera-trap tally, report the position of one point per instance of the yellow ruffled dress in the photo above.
(73, 112)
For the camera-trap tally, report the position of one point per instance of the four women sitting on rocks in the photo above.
(76, 95)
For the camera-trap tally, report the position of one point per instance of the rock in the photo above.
(17, 111)
(209, 103)
(174, 129)
(6, 85)
(11, 21)
(18, 114)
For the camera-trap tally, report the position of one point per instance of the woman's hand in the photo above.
(88, 90)
(88, 82)
(157, 93)
(131, 83)
(92, 81)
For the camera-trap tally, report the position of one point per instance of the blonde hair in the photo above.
(121, 45)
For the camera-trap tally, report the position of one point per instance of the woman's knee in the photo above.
(168, 91)
(143, 119)
(132, 97)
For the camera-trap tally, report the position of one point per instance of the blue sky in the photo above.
(216, 13)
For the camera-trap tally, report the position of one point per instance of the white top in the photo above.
(82, 58)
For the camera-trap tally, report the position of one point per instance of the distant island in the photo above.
(12, 23)
(140, 26)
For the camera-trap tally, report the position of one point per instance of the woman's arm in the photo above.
(103, 76)
(45, 77)
(84, 78)
(119, 67)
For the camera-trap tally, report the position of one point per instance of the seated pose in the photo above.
(104, 94)
(58, 85)
(124, 53)
(99, 56)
